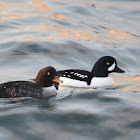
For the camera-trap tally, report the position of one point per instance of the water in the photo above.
(70, 34)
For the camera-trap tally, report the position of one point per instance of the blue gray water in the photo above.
(71, 34)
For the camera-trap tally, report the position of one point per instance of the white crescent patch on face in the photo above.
(112, 67)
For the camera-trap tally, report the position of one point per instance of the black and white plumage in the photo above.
(98, 77)
(76, 74)
(40, 88)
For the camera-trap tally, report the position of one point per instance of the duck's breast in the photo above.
(101, 82)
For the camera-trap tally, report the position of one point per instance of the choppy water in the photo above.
(71, 34)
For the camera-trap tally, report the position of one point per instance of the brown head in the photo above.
(46, 77)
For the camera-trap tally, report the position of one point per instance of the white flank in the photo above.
(95, 82)
(72, 82)
(102, 81)
(112, 67)
(49, 91)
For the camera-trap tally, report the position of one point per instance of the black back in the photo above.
(76, 74)
(20, 89)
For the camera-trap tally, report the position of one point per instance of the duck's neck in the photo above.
(99, 76)
(99, 72)
(43, 82)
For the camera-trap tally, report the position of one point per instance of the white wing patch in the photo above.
(76, 74)
(112, 67)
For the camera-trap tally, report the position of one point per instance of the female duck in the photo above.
(42, 87)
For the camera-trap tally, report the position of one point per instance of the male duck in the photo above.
(98, 77)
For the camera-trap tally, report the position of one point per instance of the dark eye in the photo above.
(107, 63)
(48, 73)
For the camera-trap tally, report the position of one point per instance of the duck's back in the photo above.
(20, 89)
(75, 74)
(75, 77)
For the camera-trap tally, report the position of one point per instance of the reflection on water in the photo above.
(32, 38)
(70, 34)
(34, 10)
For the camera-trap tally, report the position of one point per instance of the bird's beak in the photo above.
(118, 70)
(57, 80)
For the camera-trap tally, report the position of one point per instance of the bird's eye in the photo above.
(107, 63)
(48, 73)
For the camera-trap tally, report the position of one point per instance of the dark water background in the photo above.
(71, 34)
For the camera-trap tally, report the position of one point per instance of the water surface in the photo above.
(71, 34)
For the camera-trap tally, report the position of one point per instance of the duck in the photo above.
(96, 78)
(41, 87)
